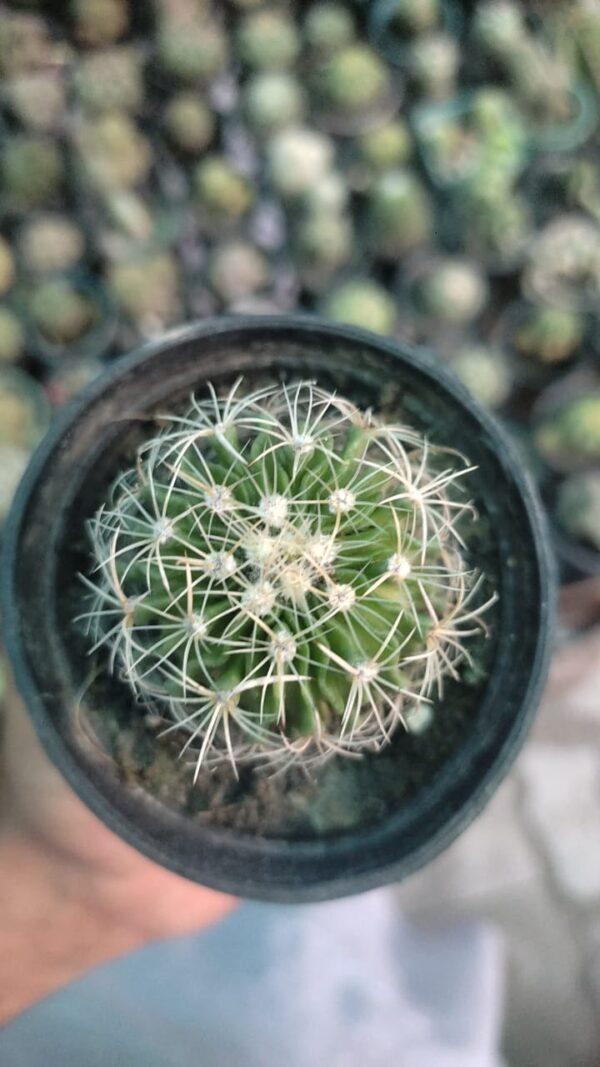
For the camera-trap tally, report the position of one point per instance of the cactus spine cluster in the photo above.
(280, 576)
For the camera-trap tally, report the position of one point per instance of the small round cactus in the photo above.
(24, 410)
(192, 50)
(37, 99)
(280, 577)
(434, 60)
(498, 25)
(451, 291)
(385, 147)
(12, 340)
(237, 270)
(570, 437)
(273, 100)
(7, 266)
(324, 241)
(267, 40)
(110, 79)
(496, 227)
(413, 16)
(147, 288)
(399, 214)
(549, 334)
(297, 158)
(329, 25)
(352, 81)
(100, 22)
(362, 302)
(13, 461)
(564, 262)
(113, 152)
(485, 372)
(222, 194)
(50, 242)
(189, 123)
(578, 507)
(24, 43)
(31, 171)
(61, 312)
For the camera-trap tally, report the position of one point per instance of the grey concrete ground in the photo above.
(531, 865)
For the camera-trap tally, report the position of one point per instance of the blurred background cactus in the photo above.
(281, 576)
(428, 169)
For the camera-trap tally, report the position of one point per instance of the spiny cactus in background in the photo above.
(110, 79)
(189, 123)
(550, 334)
(578, 507)
(280, 576)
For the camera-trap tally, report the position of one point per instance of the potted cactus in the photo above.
(252, 594)
(70, 315)
(575, 508)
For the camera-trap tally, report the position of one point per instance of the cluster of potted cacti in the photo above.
(425, 168)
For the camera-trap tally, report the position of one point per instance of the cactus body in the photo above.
(280, 576)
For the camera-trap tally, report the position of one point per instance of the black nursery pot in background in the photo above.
(45, 547)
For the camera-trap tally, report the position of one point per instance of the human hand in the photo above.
(72, 893)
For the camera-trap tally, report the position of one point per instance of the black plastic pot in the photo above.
(62, 486)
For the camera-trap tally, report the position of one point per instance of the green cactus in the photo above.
(571, 436)
(113, 152)
(451, 291)
(329, 25)
(564, 262)
(100, 22)
(496, 227)
(353, 80)
(12, 340)
(279, 577)
(24, 410)
(222, 194)
(434, 60)
(13, 461)
(399, 214)
(237, 270)
(31, 171)
(37, 99)
(385, 147)
(414, 16)
(323, 241)
(192, 50)
(485, 372)
(362, 302)
(498, 25)
(267, 40)
(273, 100)
(61, 312)
(7, 266)
(296, 159)
(50, 243)
(24, 43)
(578, 507)
(189, 123)
(329, 193)
(147, 288)
(549, 334)
(110, 79)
